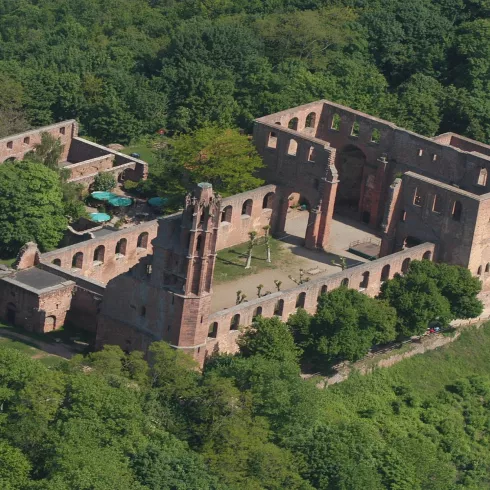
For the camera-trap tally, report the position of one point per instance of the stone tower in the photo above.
(167, 296)
(183, 265)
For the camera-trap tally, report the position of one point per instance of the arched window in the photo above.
(437, 204)
(247, 208)
(213, 330)
(268, 201)
(385, 273)
(293, 147)
(457, 211)
(482, 178)
(311, 154)
(77, 260)
(345, 282)
(335, 122)
(487, 267)
(272, 140)
(310, 120)
(99, 254)
(235, 322)
(226, 214)
(279, 307)
(479, 271)
(324, 289)
(355, 129)
(365, 281)
(50, 323)
(257, 312)
(142, 240)
(405, 265)
(300, 300)
(121, 246)
(56, 262)
(427, 255)
(293, 123)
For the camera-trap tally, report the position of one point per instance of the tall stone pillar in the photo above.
(376, 212)
(320, 219)
(280, 223)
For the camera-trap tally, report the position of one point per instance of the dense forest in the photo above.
(126, 68)
(115, 420)
(110, 421)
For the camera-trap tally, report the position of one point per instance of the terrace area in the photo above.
(288, 257)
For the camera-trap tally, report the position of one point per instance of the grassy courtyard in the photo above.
(230, 263)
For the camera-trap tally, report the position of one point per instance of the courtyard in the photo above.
(289, 256)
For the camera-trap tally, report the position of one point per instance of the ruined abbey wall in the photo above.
(16, 146)
(97, 258)
(366, 277)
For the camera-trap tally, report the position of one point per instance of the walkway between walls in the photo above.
(382, 359)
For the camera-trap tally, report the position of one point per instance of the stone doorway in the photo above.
(350, 167)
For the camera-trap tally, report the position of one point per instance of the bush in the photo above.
(104, 182)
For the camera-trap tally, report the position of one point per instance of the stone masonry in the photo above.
(427, 197)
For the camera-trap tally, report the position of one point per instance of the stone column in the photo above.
(320, 219)
(280, 222)
(378, 189)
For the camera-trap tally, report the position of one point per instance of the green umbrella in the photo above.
(102, 195)
(99, 217)
(120, 201)
(157, 202)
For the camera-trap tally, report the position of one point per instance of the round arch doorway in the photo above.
(350, 166)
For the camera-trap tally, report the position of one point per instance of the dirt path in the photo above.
(60, 350)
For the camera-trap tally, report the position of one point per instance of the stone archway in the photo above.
(350, 167)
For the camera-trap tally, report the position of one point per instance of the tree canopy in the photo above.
(31, 206)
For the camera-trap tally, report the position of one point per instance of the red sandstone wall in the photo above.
(25, 142)
(32, 309)
(236, 231)
(55, 304)
(405, 150)
(90, 167)
(113, 265)
(225, 338)
(454, 239)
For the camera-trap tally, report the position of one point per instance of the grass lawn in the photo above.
(429, 373)
(31, 351)
(230, 263)
(145, 150)
(8, 262)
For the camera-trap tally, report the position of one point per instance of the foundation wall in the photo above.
(398, 262)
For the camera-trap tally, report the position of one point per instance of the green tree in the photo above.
(14, 467)
(223, 157)
(31, 206)
(271, 338)
(455, 283)
(347, 324)
(48, 152)
(252, 236)
(104, 182)
(418, 302)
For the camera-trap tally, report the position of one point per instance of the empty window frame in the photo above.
(437, 204)
(418, 199)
